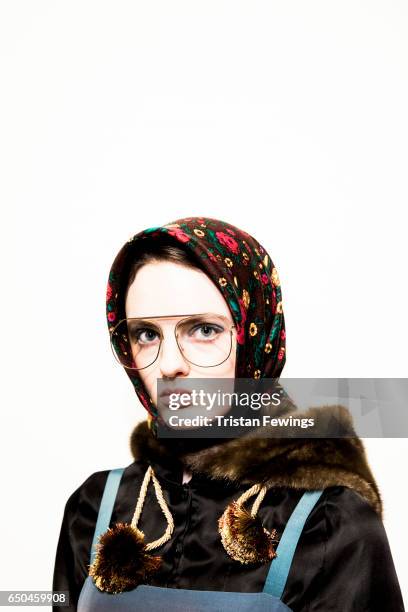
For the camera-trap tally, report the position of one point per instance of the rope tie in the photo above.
(256, 488)
(150, 475)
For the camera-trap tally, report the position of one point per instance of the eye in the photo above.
(205, 331)
(144, 335)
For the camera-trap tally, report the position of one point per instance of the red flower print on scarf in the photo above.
(228, 242)
(273, 304)
(179, 234)
(108, 292)
(241, 326)
(265, 279)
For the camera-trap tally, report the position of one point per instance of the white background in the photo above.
(288, 119)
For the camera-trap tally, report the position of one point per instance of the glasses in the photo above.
(204, 340)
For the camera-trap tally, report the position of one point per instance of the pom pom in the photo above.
(121, 562)
(244, 537)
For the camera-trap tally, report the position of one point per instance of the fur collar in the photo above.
(301, 463)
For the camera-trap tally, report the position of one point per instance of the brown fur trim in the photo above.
(300, 463)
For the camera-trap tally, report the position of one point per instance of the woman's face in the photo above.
(165, 289)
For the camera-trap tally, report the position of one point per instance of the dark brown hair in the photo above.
(155, 250)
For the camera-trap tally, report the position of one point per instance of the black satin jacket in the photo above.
(342, 563)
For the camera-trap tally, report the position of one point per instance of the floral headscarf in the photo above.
(247, 278)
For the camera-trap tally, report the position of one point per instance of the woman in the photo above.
(181, 515)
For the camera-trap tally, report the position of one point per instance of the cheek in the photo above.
(226, 369)
(231, 362)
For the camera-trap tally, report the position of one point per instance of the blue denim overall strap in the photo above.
(106, 506)
(280, 566)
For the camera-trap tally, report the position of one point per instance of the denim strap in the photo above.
(106, 507)
(280, 566)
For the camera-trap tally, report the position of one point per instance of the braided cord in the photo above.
(163, 505)
(255, 489)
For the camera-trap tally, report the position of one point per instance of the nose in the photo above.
(171, 361)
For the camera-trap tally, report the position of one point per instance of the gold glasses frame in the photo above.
(182, 320)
